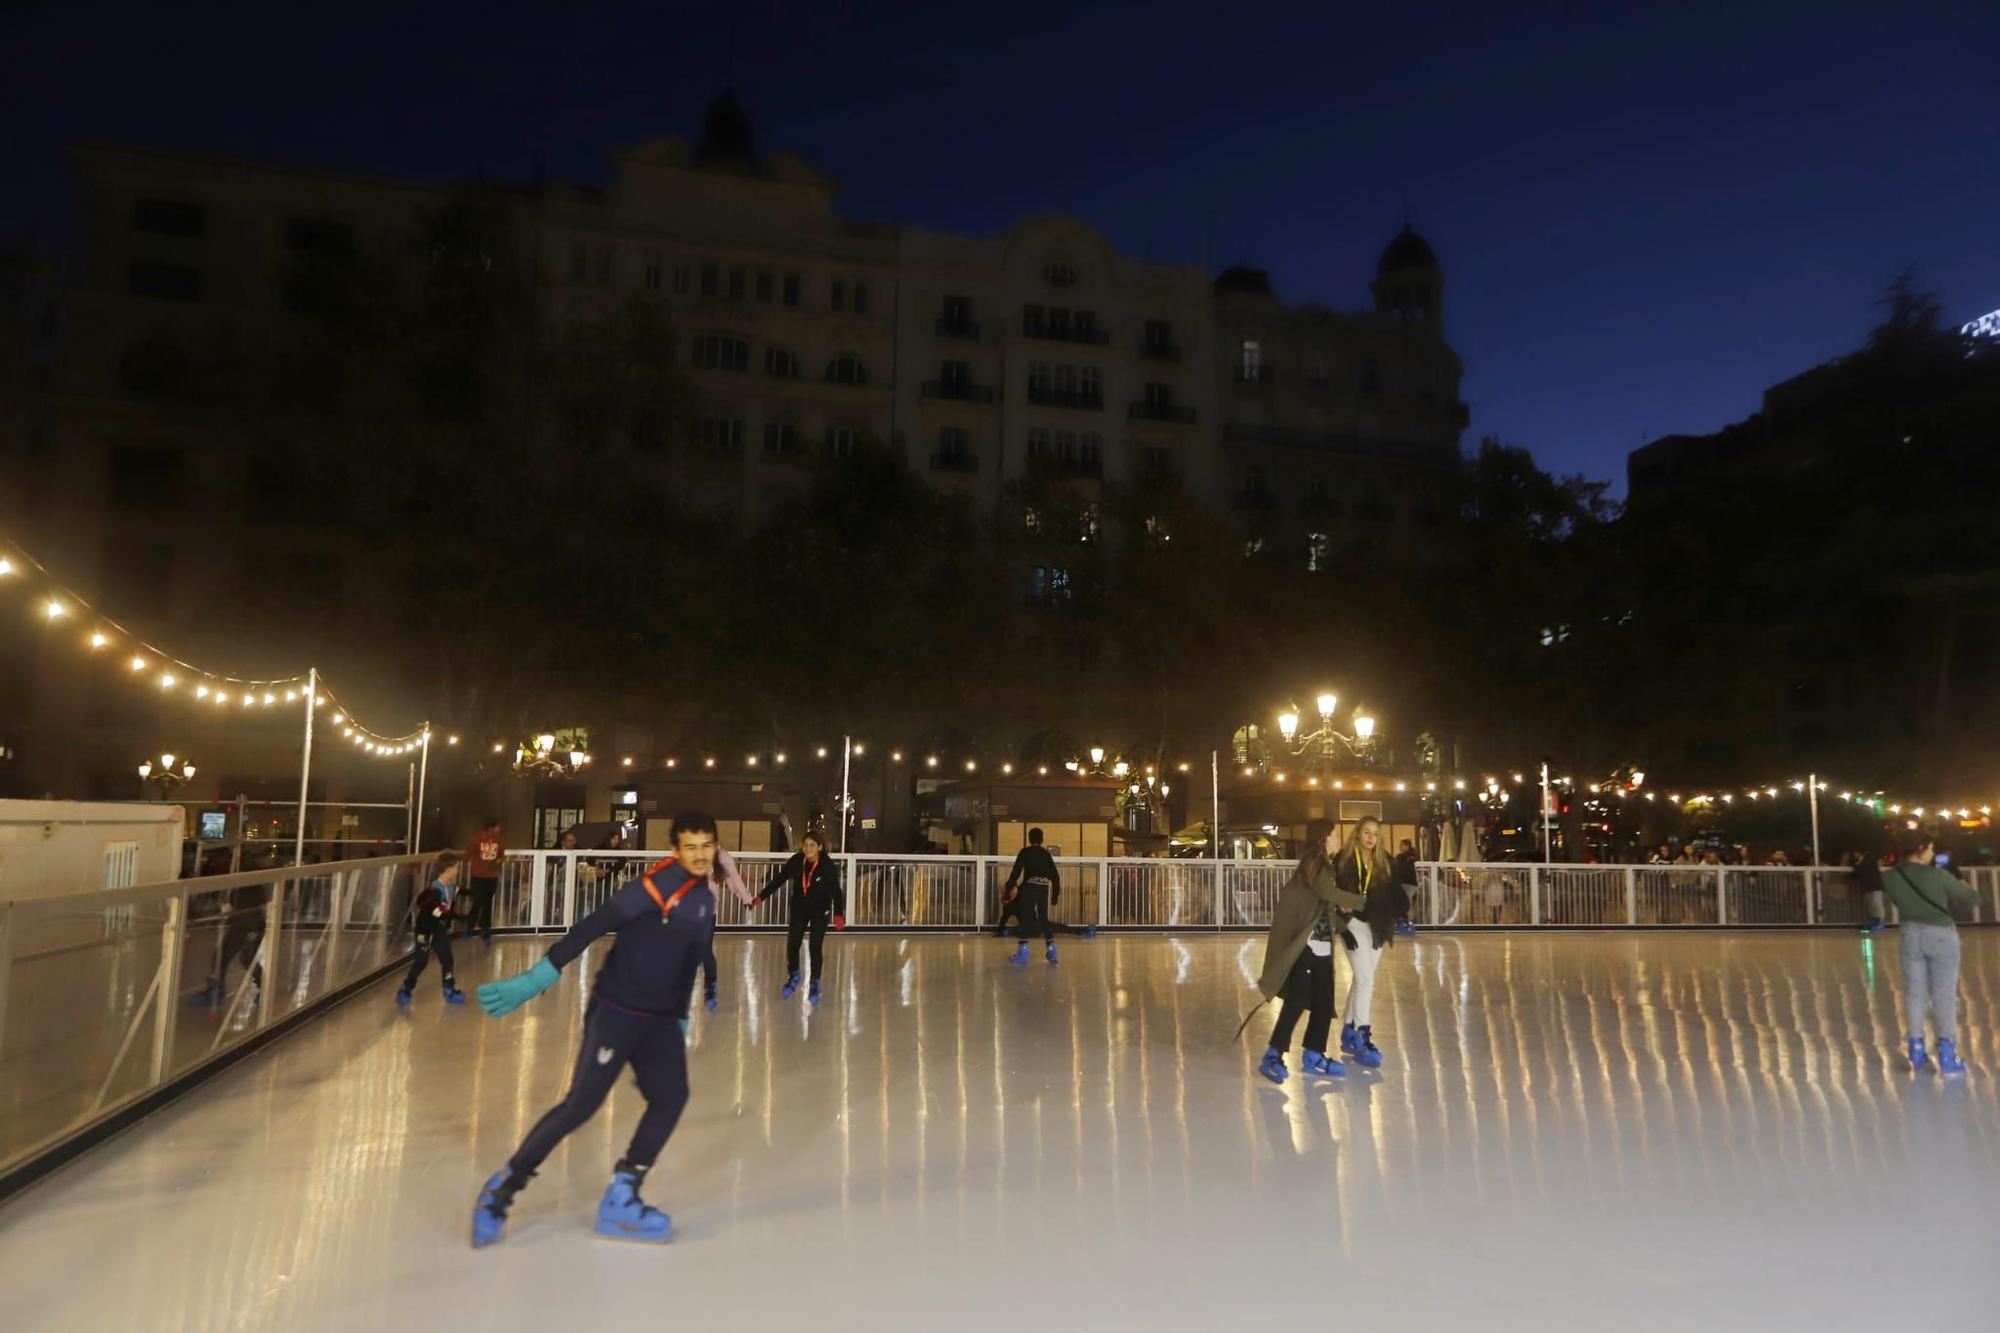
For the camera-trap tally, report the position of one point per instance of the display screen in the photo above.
(214, 825)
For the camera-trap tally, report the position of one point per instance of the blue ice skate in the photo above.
(791, 985)
(453, 995)
(1019, 955)
(812, 992)
(1090, 932)
(1948, 1061)
(1918, 1060)
(403, 997)
(1322, 1065)
(1272, 1066)
(489, 1214)
(1365, 1053)
(1348, 1044)
(623, 1215)
(1050, 951)
(708, 998)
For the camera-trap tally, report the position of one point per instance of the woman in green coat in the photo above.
(1298, 956)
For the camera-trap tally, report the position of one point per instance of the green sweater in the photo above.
(1923, 894)
(1300, 903)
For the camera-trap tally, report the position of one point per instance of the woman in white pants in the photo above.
(1364, 867)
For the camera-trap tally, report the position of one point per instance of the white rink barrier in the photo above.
(548, 890)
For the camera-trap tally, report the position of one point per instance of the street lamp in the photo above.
(1327, 736)
(164, 773)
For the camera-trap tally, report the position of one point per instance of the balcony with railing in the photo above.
(957, 328)
(1158, 411)
(1083, 400)
(1256, 376)
(958, 391)
(1159, 351)
(1086, 335)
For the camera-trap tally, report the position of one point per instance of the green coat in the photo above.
(1300, 903)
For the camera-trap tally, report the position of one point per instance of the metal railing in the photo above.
(963, 391)
(1146, 410)
(1521, 894)
(544, 891)
(107, 997)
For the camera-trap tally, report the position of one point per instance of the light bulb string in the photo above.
(204, 680)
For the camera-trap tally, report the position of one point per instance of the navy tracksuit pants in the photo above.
(614, 1037)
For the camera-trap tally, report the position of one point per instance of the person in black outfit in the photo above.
(1040, 888)
(433, 931)
(1405, 862)
(818, 898)
(241, 938)
(638, 1015)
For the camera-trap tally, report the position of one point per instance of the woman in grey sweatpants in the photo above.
(1928, 948)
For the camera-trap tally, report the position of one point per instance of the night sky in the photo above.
(1643, 220)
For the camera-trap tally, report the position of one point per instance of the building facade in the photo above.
(1041, 351)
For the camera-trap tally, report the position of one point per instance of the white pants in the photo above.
(1362, 959)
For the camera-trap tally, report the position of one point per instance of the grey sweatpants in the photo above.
(1930, 977)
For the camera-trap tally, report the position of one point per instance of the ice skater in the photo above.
(638, 1013)
(433, 931)
(1298, 957)
(1040, 888)
(242, 937)
(1927, 947)
(818, 898)
(1363, 868)
(1010, 910)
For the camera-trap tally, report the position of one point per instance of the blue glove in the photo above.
(504, 997)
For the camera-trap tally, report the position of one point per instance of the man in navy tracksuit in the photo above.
(665, 926)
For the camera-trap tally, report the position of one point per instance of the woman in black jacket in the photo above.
(816, 896)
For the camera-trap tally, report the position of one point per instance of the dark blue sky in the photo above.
(1644, 218)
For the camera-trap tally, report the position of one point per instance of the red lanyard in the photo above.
(807, 869)
(666, 905)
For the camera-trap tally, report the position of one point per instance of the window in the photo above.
(847, 369)
(682, 275)
(714, 352)
(579, 261)
(1088, 524)
(780, 363)
(766, 286)
(320, 238)
(1086, 326)
(1371, 375)
(649, 431)
(145, 477)
(1158, 460)
(860, 297)
(1034, 321)
(1253, 360)
(1316, 489)
(1049, 585)
(654, 273)
(957, 312)
(736, 279)
(1031, 518)
(1159, 397)
(163, 282)
(169, 217)
(1253, 482)
(722, 435)
(1090, 451)
(781, 438)
(792, 284)
(1316, 553)
(1159, 336)
(839, 294)
(954, 444)
(1090, 382)
(955, 374)
(709, 280)
(1059, 275)
(1157, 533)
(841, 441)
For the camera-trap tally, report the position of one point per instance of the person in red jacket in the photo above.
(817, 897)
(433, 930)
(483, 857)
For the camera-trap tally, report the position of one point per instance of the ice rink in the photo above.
(1675, 1130)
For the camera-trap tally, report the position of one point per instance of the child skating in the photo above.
(1040, 888)
(433, 931)
(638, 1013)
(816, 898)
(1298, 957)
